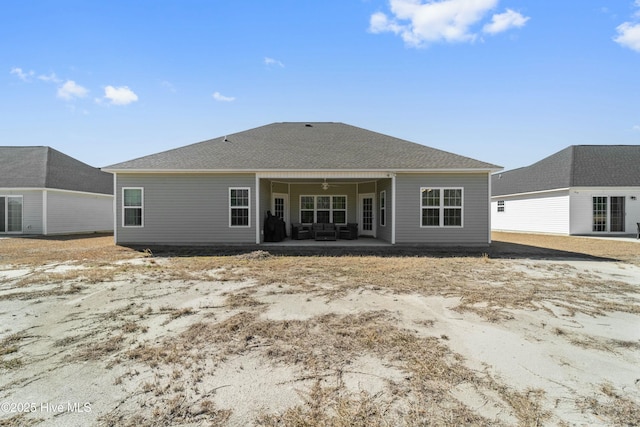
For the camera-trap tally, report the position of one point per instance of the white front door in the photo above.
(280, 206)
(367, 215)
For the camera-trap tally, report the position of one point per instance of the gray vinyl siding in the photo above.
(185, 209)
(69, 212)
(475, 230)
(31, 209)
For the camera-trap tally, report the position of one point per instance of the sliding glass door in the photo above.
(10, 214)
(608, 214)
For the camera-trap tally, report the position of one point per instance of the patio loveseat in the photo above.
(323, 231)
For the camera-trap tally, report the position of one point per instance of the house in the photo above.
(219, 191)
(45, 192)
(581, 190)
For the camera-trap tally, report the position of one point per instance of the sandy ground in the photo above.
(147, 347)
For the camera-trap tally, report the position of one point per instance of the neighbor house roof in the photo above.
(302, 146)
(575, 166)
(44, 167)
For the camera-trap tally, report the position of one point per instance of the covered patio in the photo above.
(363, 242)
(335, 197)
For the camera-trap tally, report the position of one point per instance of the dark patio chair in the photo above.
(300, 232)
(348, 231)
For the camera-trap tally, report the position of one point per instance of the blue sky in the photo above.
(505, 81)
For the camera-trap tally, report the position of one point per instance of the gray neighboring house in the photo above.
(45, 192)
(581, 190)
(218, 191)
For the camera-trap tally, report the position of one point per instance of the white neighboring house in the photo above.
(581, 190)
(45, 192)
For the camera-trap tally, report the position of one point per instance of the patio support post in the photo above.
(393, 208)
(489, 216)
(257, 210)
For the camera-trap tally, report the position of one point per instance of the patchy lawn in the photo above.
(535, 330)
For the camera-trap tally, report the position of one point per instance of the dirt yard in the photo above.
(536, 330)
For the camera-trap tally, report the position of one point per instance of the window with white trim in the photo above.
(10, 214)
(383, 208)
(323, 209)
(441, 207)
(132, 207)
(239, 204)
(500, 205)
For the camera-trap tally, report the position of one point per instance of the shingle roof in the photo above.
(303, 146)
(44, 167)
(575, 166)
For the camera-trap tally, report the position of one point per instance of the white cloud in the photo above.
(451, 21)
(629, 32)
(504, 21)
(70, 90)
(21, 74)
(636, 128)
(51, 78)
(219, 97)
(270, 61)
(120, 95)
(628, 35)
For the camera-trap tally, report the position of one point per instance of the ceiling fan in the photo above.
(325, 185)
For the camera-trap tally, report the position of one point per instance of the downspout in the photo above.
(393, 208)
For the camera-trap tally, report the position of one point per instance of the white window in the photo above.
(323, 209)
(383, 208)
(132, 207)
(441, 207)
(500, 205)
(10, 214)
(239, 204)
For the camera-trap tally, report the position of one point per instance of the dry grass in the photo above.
(613, 407)
(603, 248)
(487, 287)
(321, 350)
(9, 347)
(41, 251)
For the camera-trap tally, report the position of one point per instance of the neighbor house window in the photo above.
(441, 207)
(10, 214)
(383, 208)
(323, 209)
(132, 207)
(500, 205)
(239, 207)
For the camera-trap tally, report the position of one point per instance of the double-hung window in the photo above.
(441, 207)
(323, 209)
(10, 214)
(132, 207)
(239, 204)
